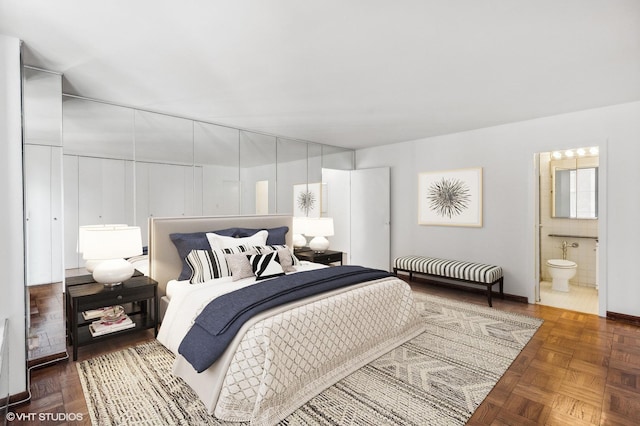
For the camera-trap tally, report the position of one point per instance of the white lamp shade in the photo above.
(300, 225)
(82, 230)
(319, 227)
(111, 242)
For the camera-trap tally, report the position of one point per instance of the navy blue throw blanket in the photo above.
(221, 319)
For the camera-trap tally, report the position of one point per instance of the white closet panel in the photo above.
(43, 186)
(164, 190)
(71, 211)
(105, 191)
(97, 191)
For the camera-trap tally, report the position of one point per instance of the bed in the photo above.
(284, 356)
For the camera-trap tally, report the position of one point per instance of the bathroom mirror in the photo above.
(575, 188)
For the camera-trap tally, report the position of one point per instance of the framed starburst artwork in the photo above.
(307, 199)
(450, 197)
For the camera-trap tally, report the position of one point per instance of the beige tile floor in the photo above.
(578, 298)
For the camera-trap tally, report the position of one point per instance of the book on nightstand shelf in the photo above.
(102, 327)
(95, 313)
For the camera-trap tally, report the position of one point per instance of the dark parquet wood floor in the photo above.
(578, 369)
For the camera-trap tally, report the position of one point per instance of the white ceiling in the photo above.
(350, 73)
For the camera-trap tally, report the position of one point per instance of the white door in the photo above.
(370, 218)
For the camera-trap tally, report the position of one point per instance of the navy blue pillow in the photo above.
(194, 241)
(276, 235)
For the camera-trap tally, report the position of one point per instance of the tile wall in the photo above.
(551, 247)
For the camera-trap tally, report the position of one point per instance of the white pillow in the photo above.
(221, 242)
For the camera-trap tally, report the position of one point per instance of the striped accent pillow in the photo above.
(266, 249)
(209, 264)
(265, 265)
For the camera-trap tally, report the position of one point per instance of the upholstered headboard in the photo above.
(165, 263)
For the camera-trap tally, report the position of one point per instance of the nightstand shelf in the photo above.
(138, 295)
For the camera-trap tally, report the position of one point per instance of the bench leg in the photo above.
(502, 288)
(489, 294)
(395, 271)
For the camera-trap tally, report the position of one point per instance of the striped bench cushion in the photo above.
(469, 271)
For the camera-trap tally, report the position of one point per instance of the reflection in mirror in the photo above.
(95, 129)
(575, 186)
(43, 226)
(292, 170)
(163, 138)
(217, 151)
(42, 110)
(314, 162)
(337, 158)
(257, 173)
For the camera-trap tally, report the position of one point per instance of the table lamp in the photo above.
(299, 229)
(109, 245)
(319, 228)
(90, 264)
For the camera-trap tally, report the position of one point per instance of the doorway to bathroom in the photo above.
(567, 243)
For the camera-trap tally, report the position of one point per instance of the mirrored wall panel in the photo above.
(257, 173)
(95, 129)
(217, 152)
(292, 170)
(162, 138)
(124, 165)
(42, 107)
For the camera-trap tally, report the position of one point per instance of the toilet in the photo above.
(561, 272)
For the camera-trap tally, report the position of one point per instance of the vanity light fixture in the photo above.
(593, 150)
(557, 155)
(581, 152)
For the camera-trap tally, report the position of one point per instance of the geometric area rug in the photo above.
(438, 378)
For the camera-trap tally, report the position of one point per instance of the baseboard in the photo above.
(458, 286)
(23, 397)
(47, 360)
(623, 317)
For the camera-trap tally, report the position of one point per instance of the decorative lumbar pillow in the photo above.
(206, 265)
(220, 242)
(185, 242)
(265, 265)
(239, 265)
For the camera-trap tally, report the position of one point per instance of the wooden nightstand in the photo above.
(326, 258)
(138, 295)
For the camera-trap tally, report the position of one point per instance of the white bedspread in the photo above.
(188, 300)
(285, 356)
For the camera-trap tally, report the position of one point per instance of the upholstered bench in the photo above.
(468, 272)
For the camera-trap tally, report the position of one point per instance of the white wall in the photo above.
(12, 302)
(506, 155)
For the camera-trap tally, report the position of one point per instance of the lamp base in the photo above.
(299, 240)
(319, 244)
(113, 272)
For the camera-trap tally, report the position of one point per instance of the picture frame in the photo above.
(450, 197)
(307, 200)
